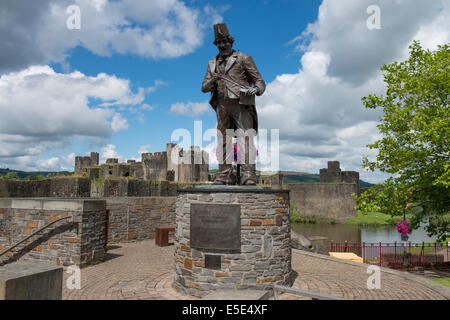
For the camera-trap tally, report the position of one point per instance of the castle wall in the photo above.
(324, 200)
(136, 219)
(333, 174)
(173, 159)
(86, 161)
(78, 240)
(194, 166)
(155, 165)
(60, 187)
(80, 163)
(274, 180)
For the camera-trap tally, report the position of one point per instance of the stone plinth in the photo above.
(260, 255)
(31, 281)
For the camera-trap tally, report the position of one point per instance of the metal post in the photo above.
(435, 253)
(238, 174)
(395, 252)
(364, 251)
(380, 253)
(422, 254)
(346, 245)
(331, 246)
(410, 255)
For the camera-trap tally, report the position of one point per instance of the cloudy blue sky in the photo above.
(122, 83)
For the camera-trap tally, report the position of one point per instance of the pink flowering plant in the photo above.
(403, 227)
(236, 152)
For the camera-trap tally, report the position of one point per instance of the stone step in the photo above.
(239, 295)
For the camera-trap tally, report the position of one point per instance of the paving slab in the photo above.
(144, 271)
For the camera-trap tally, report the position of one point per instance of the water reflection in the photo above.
(342, 232)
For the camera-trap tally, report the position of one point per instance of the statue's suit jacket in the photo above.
(240, 68)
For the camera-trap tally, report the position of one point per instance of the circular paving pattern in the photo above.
(144, 271)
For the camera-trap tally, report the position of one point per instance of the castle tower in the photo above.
(155, 165)
(173, 159)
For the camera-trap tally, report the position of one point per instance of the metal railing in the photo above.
(310, 294)
(398, 255)
(32, 235)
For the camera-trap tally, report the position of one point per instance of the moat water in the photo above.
(342, 233)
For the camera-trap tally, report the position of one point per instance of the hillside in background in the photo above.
(288, 176)
(24, 174)
(303, 177)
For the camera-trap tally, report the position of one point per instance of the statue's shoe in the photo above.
(249, 182)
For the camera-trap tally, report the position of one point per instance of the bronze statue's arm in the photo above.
(208, 83)
(254, 75)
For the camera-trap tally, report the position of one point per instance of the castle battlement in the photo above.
(162, 165)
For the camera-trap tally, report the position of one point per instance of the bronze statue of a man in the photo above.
(233, 80)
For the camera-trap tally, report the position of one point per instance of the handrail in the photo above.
(33, 234)
(310, 294)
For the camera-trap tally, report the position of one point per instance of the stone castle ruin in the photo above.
(174, 164)
(121, 202)
(331, 198)
(333, 174)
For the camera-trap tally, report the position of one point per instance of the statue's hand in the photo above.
(214, 78)
(252, 91)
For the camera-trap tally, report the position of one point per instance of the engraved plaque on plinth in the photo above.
(215, 227)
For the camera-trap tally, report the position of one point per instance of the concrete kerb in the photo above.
(62, 204)
(441, 289)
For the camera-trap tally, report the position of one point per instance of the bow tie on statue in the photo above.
(221, 59)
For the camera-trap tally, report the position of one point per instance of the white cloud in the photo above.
(119, 123)
(42, 110)
(356, 53)
(68, 160)
(35, 32)
(319, 110)
(191, 109)
(146, 107)
(144, 149)
(109, 151)
(51, 164)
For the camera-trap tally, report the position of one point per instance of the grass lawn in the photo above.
(375, 219)
(428, 248)
(443, 281)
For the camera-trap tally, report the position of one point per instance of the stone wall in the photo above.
(264, 257)
(135, 219)
(70, 187)
(155, 165)
(333, 174)
(123, 187)
(324, 200)
(275, 180)
(10, 188)
(60, 187)
(86, 161)
(78, 240)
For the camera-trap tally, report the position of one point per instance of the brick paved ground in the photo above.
(144, 271)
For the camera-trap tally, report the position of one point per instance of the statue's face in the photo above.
(225, 47)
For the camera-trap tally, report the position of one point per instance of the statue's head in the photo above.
(223, 40)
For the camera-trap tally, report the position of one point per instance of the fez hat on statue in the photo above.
(221, 31)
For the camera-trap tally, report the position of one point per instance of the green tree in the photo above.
(415, 139)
